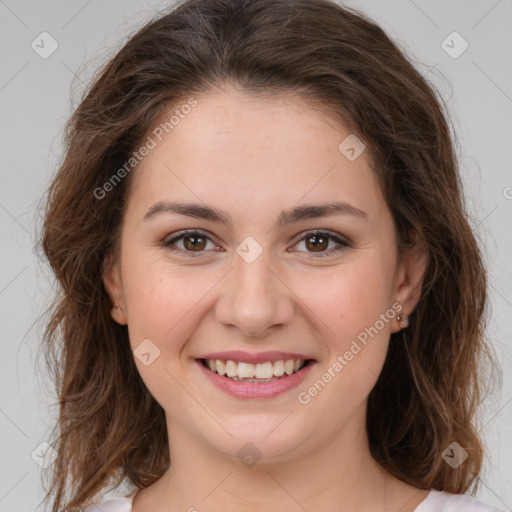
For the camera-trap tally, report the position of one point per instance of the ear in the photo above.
(112, 282)
(410, 275)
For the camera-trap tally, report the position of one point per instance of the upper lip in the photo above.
(259, 357)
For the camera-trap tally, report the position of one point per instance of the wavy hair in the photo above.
(109, 426)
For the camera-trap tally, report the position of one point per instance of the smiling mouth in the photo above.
(269, 371)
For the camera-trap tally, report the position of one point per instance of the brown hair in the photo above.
(109, 425)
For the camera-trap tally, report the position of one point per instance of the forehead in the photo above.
(249, 152)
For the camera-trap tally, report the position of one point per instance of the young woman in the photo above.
(271, 298)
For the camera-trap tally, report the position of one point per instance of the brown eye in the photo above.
(193, 242)
(317, 242)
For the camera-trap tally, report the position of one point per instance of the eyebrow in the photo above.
(297, 214)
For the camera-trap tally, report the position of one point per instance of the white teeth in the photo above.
(288, 366)
(267, 370)
(278, 368)
(263, 370)
(221, 366)
(245, 370)
(231, 368)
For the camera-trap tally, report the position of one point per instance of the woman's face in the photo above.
(255, 280)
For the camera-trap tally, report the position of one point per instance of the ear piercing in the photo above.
(402, 323)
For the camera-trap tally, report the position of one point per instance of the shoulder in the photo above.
(115, 504)
(439, 501)
(436, 501)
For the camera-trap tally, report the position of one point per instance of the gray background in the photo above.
(37, 95)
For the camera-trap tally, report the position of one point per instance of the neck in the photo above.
(339, 474)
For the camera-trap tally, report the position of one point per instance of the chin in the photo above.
(263, 440)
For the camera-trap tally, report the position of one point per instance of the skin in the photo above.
(253, 158)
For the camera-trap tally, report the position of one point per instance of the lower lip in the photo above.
(256, 389)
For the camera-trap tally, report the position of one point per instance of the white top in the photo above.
(436, 501)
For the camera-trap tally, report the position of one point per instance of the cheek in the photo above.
(349, 302)
(160, 303)
(350, 297)
(157, 294)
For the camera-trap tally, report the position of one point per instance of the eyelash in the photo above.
(192, 232)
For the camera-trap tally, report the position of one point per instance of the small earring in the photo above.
(403, 323)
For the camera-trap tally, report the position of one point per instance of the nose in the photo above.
(254, 298)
